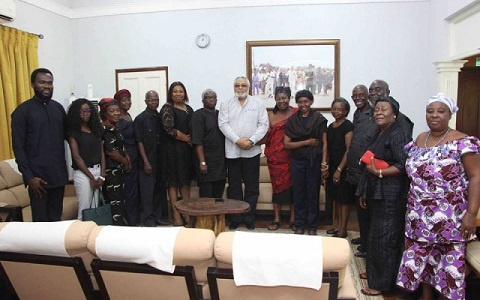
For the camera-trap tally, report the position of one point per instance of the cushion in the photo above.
(11, 177)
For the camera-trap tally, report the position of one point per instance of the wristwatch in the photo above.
(380, 175)
(251, 143)
(203, 163)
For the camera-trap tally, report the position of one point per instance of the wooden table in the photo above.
(210, 213)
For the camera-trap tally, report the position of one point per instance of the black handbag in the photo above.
(101, 215)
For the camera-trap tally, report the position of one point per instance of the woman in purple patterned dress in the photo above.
(444, 168)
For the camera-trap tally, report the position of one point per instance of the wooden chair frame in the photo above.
(186, 271)
(214, 273)
(74, 262)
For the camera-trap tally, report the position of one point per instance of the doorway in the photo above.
(468, 117)
(141, 80)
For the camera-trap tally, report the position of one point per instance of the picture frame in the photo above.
(300, 64)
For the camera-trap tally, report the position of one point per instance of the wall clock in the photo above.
(202, 40)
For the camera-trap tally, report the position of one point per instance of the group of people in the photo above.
(266, 78)
(417, 200)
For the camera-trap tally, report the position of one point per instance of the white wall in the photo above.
(55, 51)
(377, 41)
(397, 42)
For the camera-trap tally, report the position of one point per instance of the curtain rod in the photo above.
(40, 36)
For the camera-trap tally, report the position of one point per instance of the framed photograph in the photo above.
(312, 65)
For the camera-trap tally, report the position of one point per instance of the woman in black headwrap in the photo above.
(384, 191)
(306, 136)
(125, 127)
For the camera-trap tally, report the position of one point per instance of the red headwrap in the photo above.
(122, 94)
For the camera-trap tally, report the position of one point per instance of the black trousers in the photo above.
(363, 216)
(246, 171)
(212, 189)
(151, 198)
(49, 207)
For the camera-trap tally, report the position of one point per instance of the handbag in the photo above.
(367, 159)
(101, 215)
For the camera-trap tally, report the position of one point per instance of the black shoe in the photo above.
(233, 226)
(251, 226)
(332, 231)
(357, 241)
(162, 223)
(361, 254)
(360, 248)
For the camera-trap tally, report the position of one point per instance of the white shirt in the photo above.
(237, 121)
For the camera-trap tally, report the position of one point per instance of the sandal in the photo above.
(363, 275)
(292, 226)
(274, 226)
(370, 292)
(332, 231)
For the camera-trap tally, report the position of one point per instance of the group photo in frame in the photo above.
(299, 64)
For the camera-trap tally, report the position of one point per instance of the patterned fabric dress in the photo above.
(437, 201)
(114, 186)
(278, 160)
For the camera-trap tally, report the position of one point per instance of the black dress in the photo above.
(177, 165)
(132, 190)
(113, 187)
(340, 192)
(386, 200)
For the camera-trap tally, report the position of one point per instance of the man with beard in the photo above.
(38, 134)
(244, 121)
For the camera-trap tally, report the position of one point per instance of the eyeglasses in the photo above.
(240, 85)
(86, 111)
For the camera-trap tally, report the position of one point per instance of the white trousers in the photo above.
(84, 190)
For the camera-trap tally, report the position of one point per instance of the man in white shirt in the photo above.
(244, 121)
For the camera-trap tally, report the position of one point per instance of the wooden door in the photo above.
(468, 117)
(140, 81)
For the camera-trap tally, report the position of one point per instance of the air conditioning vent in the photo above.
(7, 10)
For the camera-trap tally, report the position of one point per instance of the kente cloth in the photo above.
(278, 158)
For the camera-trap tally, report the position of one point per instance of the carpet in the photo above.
(356, 265)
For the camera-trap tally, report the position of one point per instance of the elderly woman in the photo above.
(125, 127)
(444, 167)
(175, 118)
(278, 158)
(116, 160)
(383, 190)
(306, 136)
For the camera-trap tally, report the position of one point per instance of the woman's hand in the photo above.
(203, 168)
(371, 168)
(311, 142)
(363, 202)
(468, 225)
(336, 176)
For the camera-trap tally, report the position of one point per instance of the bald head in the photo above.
(377, 89)
(360, 97)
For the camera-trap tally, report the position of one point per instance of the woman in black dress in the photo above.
(116, 159)
(125, 127)
(384, 191)
(339, 136)
(175, 118)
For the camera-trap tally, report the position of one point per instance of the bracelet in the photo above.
(102, 178)
(324, 163)
(339, 170)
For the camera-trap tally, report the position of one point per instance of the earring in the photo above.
(394, 117)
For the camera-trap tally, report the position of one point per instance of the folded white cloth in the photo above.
(274, 259)
(43, 238)
(141, 245)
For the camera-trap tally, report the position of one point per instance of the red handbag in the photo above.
(379, 163)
